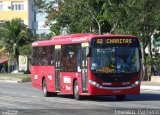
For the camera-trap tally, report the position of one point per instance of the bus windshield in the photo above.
(115, 60)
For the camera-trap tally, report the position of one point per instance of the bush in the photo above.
(27, 72)
(26, 79)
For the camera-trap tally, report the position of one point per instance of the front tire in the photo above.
(120, 97)
(76, 91)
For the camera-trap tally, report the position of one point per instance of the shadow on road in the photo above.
(141, 97)
(144, 97)
(90, 98)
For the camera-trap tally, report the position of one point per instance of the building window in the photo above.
(17, 5)
(1, 5)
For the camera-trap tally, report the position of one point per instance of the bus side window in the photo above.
(70, 57)
(34, 59)
(51, 54)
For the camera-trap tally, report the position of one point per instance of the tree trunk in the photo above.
(144, 67)
(150, 58)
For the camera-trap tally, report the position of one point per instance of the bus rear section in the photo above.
(100, 65)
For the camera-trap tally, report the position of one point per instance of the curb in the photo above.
(150, 87)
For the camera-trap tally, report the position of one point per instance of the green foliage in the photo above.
(14, 35)
(80, 16)
(137, 17)
(102, 16)
(155, 61)
(40, 4)
(156, 40)
(26, 79)
(25, 49)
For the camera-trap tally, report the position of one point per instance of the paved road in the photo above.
(22, 98)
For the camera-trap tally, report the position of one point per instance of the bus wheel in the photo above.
(45, 92)
(120, 97)
(76, 91)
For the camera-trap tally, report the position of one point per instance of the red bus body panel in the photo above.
(67, 80)
(40, 72)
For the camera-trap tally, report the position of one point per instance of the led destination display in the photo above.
(114, 41)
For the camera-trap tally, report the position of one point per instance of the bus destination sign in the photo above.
(114, 41)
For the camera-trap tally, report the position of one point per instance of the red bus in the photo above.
(87, 65)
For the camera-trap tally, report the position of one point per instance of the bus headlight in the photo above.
(95, 83)
(135, 84)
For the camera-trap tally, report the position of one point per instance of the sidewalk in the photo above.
(153, 84)
(14, 78)
(10, 79)
(150, 85)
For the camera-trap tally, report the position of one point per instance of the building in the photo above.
(23, 9)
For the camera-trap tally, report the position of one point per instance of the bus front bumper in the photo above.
(97, 89)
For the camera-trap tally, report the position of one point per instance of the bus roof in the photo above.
(75, 38)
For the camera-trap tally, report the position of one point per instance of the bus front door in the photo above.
(57, 66)
(84, 71)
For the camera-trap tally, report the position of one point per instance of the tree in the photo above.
(135, 17)
(14, 35)
(80, 16)
(25, 49)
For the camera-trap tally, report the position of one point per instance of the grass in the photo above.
(20, 77)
